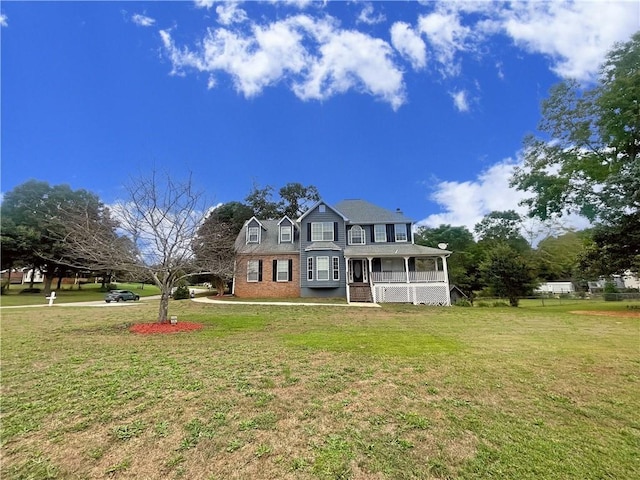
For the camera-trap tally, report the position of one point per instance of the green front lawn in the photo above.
(69, 293)
(296, 392)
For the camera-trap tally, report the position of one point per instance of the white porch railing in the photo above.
(414, 277)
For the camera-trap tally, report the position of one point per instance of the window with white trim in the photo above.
(336, 268)
(401, 232)
(380, 232)
(322, 268)
(253, 270)
(310, 268)
(322, 231)
(356, 235)
(253, 234)
(282, 271)
(285, 233)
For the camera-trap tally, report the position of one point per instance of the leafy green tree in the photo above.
(557, 258)
(462, 264)
(502, 227)
(587, 156)
(507, 273)
(33, 228)
(295, 199)
(612, 248)
(233, 214)
(260, 200)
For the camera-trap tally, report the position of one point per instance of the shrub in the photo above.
(462, 302)
(182, 292)
(610, 292)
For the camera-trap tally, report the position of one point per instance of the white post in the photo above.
(346, 280)
(446, 279)
(406, 269)
(371, 286)
(51, 298)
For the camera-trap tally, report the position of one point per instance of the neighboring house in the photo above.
(354, 250)
(556, 287)
(23, 275)
(630, 280)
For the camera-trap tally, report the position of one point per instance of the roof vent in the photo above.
(398, 211)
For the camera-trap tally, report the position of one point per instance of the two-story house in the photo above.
(353, 249)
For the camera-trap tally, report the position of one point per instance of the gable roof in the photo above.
(362, 212)
(269, 240)
(321, 202)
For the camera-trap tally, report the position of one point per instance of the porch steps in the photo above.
(360, 293)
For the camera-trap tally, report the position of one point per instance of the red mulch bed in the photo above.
(146, 328)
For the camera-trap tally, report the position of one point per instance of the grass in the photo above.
(69, 293)
(267, 391)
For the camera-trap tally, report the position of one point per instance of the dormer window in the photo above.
(356, 235)
(286, 233)
(253, 234)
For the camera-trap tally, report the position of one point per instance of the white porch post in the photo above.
(406, 268)
(346, 280)
(446, 279)
(371, 287)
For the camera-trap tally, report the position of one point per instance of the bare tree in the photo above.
(214, 249)
(156, 226)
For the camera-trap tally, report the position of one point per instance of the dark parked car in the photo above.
(117, 295)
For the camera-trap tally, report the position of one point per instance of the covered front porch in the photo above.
(418, 276)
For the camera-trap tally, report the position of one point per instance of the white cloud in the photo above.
(406, 41)
(352, 60)
(314, 56)
(4, 20)
(204, 3)
(142, 20)
(229, 12)
(317, 58)
(460, 100)
(466, 203)
(368, 16)
(446, 37)
(575, 35)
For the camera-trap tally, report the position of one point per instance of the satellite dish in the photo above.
(443, 246)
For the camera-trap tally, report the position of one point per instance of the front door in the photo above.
(358, 271)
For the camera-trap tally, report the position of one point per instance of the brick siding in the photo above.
(267, 288)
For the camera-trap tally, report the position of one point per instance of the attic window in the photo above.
(253, 234)
(322, 208)
(285, 234)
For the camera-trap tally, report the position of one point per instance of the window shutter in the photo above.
(309, 232)
(335, 231)
(391, 233)
(372, 235)
(259, 270)
(274, 270)
(290, 270)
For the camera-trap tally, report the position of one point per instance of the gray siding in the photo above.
(322, 288)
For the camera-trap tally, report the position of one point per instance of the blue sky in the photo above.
(421, 106)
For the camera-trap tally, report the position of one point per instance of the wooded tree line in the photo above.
(585, 159)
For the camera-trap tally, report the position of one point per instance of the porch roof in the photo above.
(393, 250)
(322, 246)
